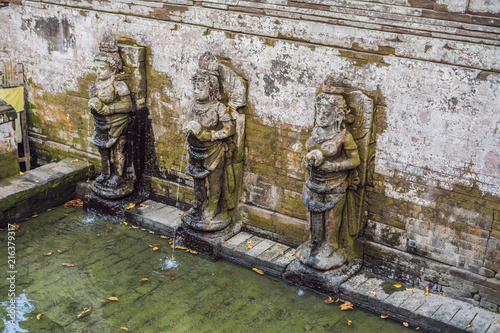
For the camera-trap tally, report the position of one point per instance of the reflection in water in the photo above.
(23, 307)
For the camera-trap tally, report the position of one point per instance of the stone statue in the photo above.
(110, 104)
(214, 133)
(332, 152)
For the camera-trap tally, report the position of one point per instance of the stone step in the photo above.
(256, 252)
(155, 216)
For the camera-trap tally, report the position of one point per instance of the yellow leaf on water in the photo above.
(36, 215)
(48, 253)
(134, 227)
(397, 285)
(143, 229)
(66, 264)
(373, 293)
(38, 316)
(329, 300)
(85, 311)
(349, 322)
(426, 292)
(151, 232)
(163, 236)
(257, 270)
(346, 306)
(113, 298)
(143, 279)
(124, 222)
(154, 248)
(193, 252)
(124, 328)
(384, 317)
(59, 251)
(405, 324)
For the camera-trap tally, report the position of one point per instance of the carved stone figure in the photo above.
(215, 138)
(110, 103)
(332, 152)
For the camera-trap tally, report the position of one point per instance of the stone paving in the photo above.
(36, 190)
(430, 312)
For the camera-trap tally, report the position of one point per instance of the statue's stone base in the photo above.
(327, 282)
(205, 242)
(113, 193)
(115, 208)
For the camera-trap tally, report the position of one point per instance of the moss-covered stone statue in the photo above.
(339, 161)
(110, 104)
(215, 138)
(332, 152)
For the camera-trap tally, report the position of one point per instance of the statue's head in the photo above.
(330, 110)
(108, 61)
(206, 86)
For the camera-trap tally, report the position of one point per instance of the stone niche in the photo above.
(9, 165)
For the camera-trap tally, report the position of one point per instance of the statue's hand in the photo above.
(105, 111)
(192, 126)
(218, 135)
(314, 157)
(95, 105)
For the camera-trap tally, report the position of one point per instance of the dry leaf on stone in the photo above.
(258, 271)
(409, 289)
(249, 247)
(397, 285)
(426, 292)
(373, 293)
(130, 206)
(496, 322)
(405, 324)
(384, 317)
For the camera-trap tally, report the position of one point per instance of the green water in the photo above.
(197, 296)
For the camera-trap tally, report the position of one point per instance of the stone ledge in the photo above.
(37, 190)
(430, 312)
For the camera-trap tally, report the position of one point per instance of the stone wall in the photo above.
(434, 209)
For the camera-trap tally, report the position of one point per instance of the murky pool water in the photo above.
(187, 294)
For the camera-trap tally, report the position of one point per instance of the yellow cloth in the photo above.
(15, 97)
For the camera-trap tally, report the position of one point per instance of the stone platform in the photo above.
(39, 189)
(429, 312)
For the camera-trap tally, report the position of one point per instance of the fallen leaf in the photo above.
(143, 229)
(193, 252)
(134, 227)
(346, 306)
(124, 222)
(39, 316)
(405, 324)
(59, 251)
(349, 322)
(384, 317)
(223, 242)
(130, 206)
(426, 292)
(373, 293)
(163, 236)
(329, 300)
(280, 244)
(469, 325)
(48, 253)
(109, 247)
(151, 232)
(179, 213)
(179, 238)
(409, 289)
(257, 270)
(416, 329)
(216, 304)
(124, 328)
(349, 280)
(370, 283)
(249, 242)
(281, 252)
(37, 181)
(154, 248)
(36, 215)
(226, 286)
(143, 279)
(496, 322)
(397, 285)
(66, 264)
(108, 229)
(85, 312)
(113, 298)
(249, 247)
(391, 55)
(21, 173)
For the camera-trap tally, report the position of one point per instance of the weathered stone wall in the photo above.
(434, 209)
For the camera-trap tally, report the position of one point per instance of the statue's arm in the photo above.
(123, 104)
(349, 161)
